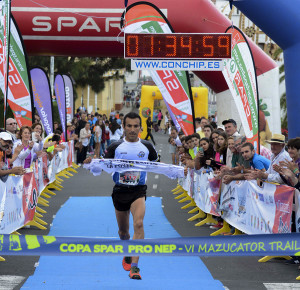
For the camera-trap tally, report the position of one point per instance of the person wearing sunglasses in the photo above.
(11, 128)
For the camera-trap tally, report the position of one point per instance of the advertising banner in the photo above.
(42, 98)
(19, 194)
(60, 94)
(20, 202)
(19, 91)
(69, 98)
(4, 47)
(174, 86)
(207, 192)
(257, 210)
(240, 75)
(240, 245)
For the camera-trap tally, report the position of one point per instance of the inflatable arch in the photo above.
(92, 28)
(151, 93)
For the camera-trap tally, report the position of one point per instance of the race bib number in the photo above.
(129, 177)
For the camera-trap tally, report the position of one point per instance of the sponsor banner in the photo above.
(121, 165)
(60, 94)
(42, 97)
(297, 210)
(69, 98)
(239, 73)
(257, 210)
(20, 202)
(19, 194)
(241, 245)
(195, 65)
(19, 90)
(174, 85)
(207, 191)
(4, 47)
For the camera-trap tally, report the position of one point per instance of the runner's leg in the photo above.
(138, 213)
(123, 224)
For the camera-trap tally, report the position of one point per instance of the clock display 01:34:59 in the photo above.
(178, 45)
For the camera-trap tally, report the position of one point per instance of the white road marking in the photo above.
(156, 176)
(54, 216)
(10, 282)
(282, 286)
(154, 186)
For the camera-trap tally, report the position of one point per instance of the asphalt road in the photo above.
(233, 272)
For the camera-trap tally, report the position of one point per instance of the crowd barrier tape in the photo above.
(250, 208)
(19, 195)
(242, 245)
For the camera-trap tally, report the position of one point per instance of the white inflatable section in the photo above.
(268, 88)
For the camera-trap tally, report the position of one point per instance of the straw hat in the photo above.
(277, 138)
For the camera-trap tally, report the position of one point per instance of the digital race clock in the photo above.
(177, 46)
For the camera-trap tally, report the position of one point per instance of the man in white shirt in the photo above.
(231, 128)
(278, 154)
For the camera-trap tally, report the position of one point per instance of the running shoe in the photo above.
(135, 273)
(126, 263)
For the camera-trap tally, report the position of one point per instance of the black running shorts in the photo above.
(124, 196)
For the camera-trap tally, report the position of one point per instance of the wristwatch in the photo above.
(297, 175)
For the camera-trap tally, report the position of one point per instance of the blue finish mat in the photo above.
(95, 217)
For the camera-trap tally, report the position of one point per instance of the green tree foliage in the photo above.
(85, 70)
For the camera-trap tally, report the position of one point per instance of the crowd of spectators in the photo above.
(20, 147)
(222, 150)
(93, 133)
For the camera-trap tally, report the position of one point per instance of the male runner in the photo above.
(129, 192)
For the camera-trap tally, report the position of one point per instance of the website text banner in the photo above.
(240, 75)
(69, 98)
(174, 86)
(195, 65)
(121, 165)
(60, 94)
(19, 94)
(207, 191)
(42, 97)
(241, 245)
(257, 210)
(4, 43)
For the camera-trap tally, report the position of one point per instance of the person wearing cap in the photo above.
(278, 155)
(11, 128)
(5, 145)
(231, 128)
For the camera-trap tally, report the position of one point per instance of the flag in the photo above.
(240, 75)
(69, 98)
(4, 47)
(19, 97)
(42, 97)
(59, 86)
